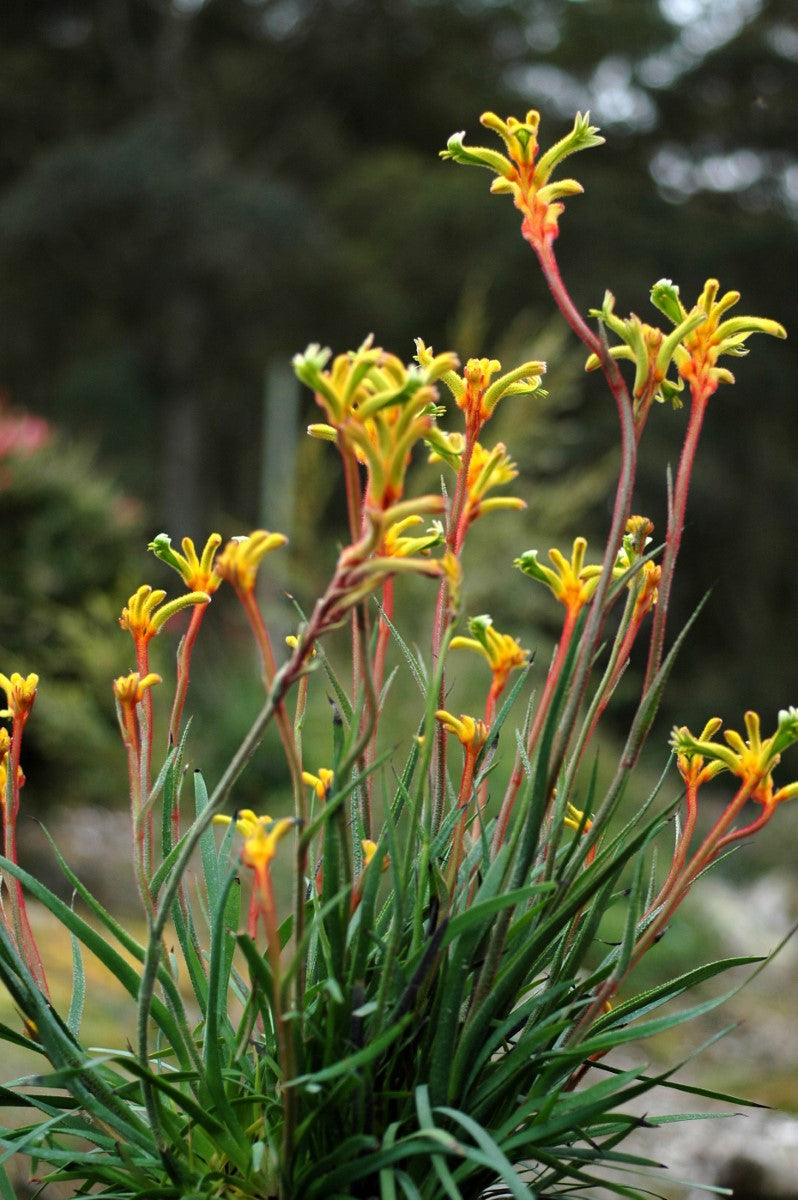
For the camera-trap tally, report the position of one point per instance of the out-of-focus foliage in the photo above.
(191, 189)
(69, 539)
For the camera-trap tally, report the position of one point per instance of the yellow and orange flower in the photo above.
(238, 563)
(196, 571)
(521, 174)
(20, 693)
(143, 617)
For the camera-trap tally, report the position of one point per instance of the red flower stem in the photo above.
(352, 484)
(679, 887)
(184, 652)
(463, 798)
(680, 853)
(144, 828)
(541, 712)
(378, 676)
(456, 529)
(285, 1046)
(458, 516)
(544, 249)
(673, 538)
(23, 933)
(616, 668)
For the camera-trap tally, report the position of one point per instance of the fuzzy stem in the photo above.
(673, 538)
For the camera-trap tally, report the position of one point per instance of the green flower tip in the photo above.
(665, 297)
(308, 366)
(787, 729)
(161, 547)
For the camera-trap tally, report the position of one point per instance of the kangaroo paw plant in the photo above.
(423, 997)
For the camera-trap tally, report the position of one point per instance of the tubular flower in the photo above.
(521, 174)
(260, 834)
(376, 407)
(364, 381)
(470, 732)
(369, 849)
(20, 693)
(645, 580)
(649, 349)
(575, 819)
(129, 689)
(322, 783)
(396, 545)
(503, 653)
(246, 822)
(703, 336)
(752, 760)
(648, 589)
(140, 618)
(197, 572)
(487, 469)
(637, 537)
(476, 392)
(238, 563)
(693, 767)
(572, 583)
(260, 845)
(292, 641)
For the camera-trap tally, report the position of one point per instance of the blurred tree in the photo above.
(69, 545)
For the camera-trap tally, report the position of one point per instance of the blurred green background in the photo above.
(191, 191)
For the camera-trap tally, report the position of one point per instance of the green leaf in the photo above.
(361, 1058)
(94, 941)
(78, 989)
(492, 1155)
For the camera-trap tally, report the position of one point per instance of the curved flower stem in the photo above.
(682, 847)
(626, 478)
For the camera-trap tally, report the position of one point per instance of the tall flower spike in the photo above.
(521, 174)
(239, 561)
(196, 571)
(650, 350)
(699, 346)
(751, 759)
(476, 392)
(377, 409)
